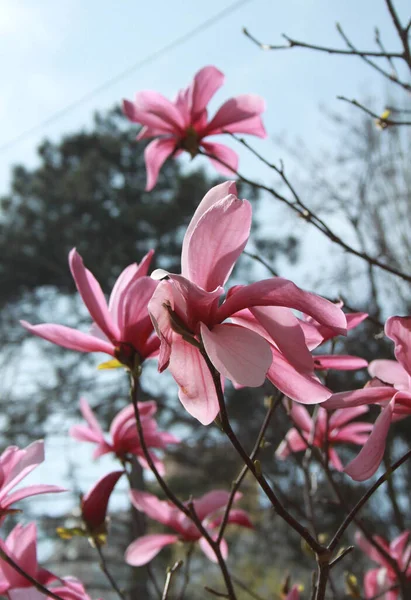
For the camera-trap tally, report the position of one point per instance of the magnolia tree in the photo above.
(210, 336)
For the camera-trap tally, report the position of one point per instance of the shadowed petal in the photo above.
(155, 156)
(390, 371)
(69, 338)
(367, 395)
(223, 158)
(281, 292)
(368, 460)
(237, 353)
(158, 510)
(210, 502)
(398, 329)
(344, 416)
(217, 193)
(224, 230)
(142, 550)
(341, 362)
(197, 392)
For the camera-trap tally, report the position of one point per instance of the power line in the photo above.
(113, 80)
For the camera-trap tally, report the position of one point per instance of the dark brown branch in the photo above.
(385, 122)
(106, 571)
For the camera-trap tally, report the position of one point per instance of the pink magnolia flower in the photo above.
(94, 504)
(384, 577)
(121, 329)
(123, 432)
(21, 547)
(338, 430)
(316, 334)
(390, 388)
(15, 465)
(183, 124)
(190, 316)
(294, 593)
(209, 509)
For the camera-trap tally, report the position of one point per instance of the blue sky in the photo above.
(54, 53)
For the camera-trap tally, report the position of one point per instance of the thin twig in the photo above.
(386, 121)
(105, 569)
(170, 572)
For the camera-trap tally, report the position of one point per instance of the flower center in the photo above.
(191, 141)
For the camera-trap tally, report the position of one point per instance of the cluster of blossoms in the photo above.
(205, 334)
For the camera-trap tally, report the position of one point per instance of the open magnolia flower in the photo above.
(183, 124)
(123, 432)
(21, 547)
(209, 509)
(390, 388)
(15, 465)
(123, 328)
(190, 313)
(322, 434)
(376, 581)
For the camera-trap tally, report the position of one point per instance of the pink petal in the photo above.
(31, 490)
(143, 549)
(297, 386)
(239, 115)
(335, 459)
(224, 230)
(399, 544)
(155, 155)
(354, 319)
(210, 502)
(301, 417)
(367, 395)
(339, 362)
(281, 292)
(69, 338)
(26, 593)
(155, 111)
(89, 416)
(398, 329)
(223, 159)
(284, 329)
(84, 434)
(343, 416)
(205, 84)
(136, 322)
(237, 516)
(163, 295)
(94, 503)
(293, 594)
(158, 510)
(20, 545)
(293, 442)
(209, 552)
(197, 392)
(370, 550)
(390, 371)
(92, 295)
(368, 460)
(237, 353)
(217, 193)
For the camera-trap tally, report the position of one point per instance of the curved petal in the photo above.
(367, 395)
(197, 392)
(284, 329)
(69, 338)
(133, 312)
(223, 158)
(31, 490)
(94, 503)
(236, 516)
(390, 371)
(209, 552)
(237, 353)
(92, 295)
(301, 417)
(297, 386)
(293, 442)
(83, 433)
(239, 115)
(343, 416)
(89, 416)
(142, 550)
(342, 362)
(211, 502)
(155, 111)
(282, 292)
(217, 193)
(155, 155)
(158, 510)
(398, 329)
(368, 460)
(205, 84)
(224, 230)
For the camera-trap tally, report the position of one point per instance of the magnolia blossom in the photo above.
(123, 433)
(209, 509)
(183, 124)
(20, 546)
(294, 593)
(190, 314)
(325, 435)
(94, 504)
(390, 388)
(15, 465)
(384, 577)
(121, 329)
